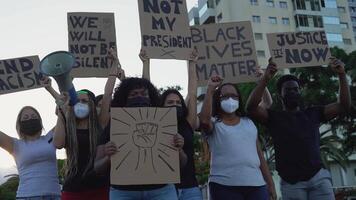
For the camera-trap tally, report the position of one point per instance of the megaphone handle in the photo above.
(73, 99)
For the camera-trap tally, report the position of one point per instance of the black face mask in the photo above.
(30, 127)
(292, 100)
(138, 102)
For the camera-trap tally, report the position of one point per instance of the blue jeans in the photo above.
(164, 193)
(45, 197)
(223, 192)
(193, 193)
(318, 187)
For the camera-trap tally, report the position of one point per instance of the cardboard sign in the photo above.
(225, 49)
(145, 154)
(90, 35)
(299, 49)
(165, 29)
(19, 74)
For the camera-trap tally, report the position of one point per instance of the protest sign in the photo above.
(225, 49)
(19, 74)
(145, 154)
(165, 30)
(90, 35)
(299, 49)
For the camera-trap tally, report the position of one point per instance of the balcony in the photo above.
(207, 14)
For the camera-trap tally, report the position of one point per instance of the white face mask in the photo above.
(230, 105)
(81, 110)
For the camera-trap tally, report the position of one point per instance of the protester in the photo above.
(35, 157)
(136, 92)
(295, 133)
(79, 132)
(238, 168)
(188, 189)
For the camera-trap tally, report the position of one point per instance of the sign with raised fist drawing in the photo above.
(143, 137)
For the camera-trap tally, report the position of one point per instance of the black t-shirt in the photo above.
(296, 139)
(187, 173)
(90, 180)
(105, 138)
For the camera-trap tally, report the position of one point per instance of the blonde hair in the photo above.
(18, 120)
(71, 165)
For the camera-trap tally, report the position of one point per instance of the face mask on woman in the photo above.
(30, 127)
(138, 102)
(81, 110)
(229, 105)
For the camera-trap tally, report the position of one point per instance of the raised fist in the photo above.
(145, 135)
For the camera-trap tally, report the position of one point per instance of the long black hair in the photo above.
(217, 110)
(122, 91)
(174, 91)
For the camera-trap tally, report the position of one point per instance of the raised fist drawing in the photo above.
(145, 135)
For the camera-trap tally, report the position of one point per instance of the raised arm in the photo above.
(48, 82)
(266, 173)
(344, 102)
(6, 142)
(115, 72)
(60, 128)
(192, 91)
(206, 111)
(267, 100)
(253, 107)
(146, 65)
(59, 135)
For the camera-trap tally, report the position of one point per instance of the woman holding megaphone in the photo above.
(78, 132)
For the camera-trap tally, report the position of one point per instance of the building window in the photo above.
(261, 53)
(347, 41)
(285, 21)
(254, 2)
(334, 37)
(300, 4)
(318, 21)
(341, 9)
(331, 20)
(219, 17)
(258, 36)
(272, 20)
(344, 25)
(302, 20)
(256, 19)
(283, 4)
(315, 5)
(353, 9)
(353, 19)
(217, 2)
(329, 3)
(270, 3)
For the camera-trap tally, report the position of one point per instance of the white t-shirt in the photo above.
(37, 166)
(234, 157)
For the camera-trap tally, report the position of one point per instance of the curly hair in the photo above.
(127, 85)
(217, 110)
(174, 91)
(284, 79)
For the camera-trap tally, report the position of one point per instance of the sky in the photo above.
(39, 27)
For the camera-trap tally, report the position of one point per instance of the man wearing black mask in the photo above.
(296, 136)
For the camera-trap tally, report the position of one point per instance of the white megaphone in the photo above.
(58, 64)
